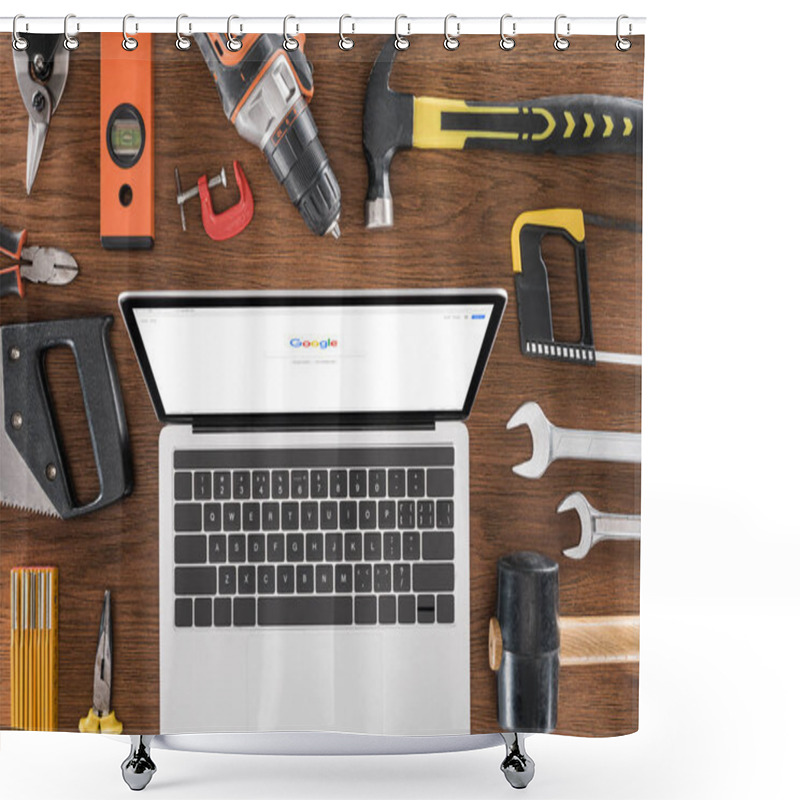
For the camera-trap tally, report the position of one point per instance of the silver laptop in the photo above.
(314, 505)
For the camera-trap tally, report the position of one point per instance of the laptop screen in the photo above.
(222, 355)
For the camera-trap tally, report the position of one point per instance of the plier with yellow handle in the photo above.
(100, 718)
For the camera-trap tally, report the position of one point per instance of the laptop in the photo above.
(314, 505)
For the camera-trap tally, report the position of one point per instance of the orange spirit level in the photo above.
(127, 219)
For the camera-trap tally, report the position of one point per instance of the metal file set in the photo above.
(34, 648)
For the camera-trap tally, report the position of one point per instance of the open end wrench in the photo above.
(597, 526)
(551, 443)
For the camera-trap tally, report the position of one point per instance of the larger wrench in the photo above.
(598, 526)
(551, 443)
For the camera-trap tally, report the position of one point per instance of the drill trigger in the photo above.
(233, 220)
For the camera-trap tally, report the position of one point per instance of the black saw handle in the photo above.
(572, 124)
(25, 387)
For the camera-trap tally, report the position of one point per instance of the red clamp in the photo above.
(234, 219)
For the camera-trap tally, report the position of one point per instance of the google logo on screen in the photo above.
(322, 344)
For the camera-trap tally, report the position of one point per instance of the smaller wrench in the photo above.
(551, 443)
(597, 526)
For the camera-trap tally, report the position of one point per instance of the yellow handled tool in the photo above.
(101, 719)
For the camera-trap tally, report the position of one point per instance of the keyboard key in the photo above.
(227, 580)
(344, 577)
(266, 580)
(440, 482)
(382, 575)
(425, 514)
(232, 517)
(261, 485)
(445, 608)
(280, 484)
(405, 514)
(188, 517)
(256, 545)
(275, 547)
(183, 486)
(285, 580)
(397, 483)
(305, 610)
(387, 514)
(410, 545)
(324, 573)
(347, 515)
(352, 546)
(195, 580)
(401, 577)
(366, 610)
(372, 546)
(305, 579)
(190, 549)
(334, 547)
(367, 515)
(425, 608)
(183, 612)
(222, 486)
(416, 483)
(314, 547)
(406, 609)
(290, 516)
(444, 513)
(358, 483)
(329, 516)
(237, 548)
(241, 485)
(300, 484)
(433, 577)
(387, 609)
(202, 612)
(251, 516)
(338, 483)
(363, 578)
(244, 611)
(309, 516)
(438, 546)
(202, 486)
(270, 516)
(391, 545)
(217, 549)
(212, 517)
(377, 483)
(319, 483)
(222, 612)
(294, 547)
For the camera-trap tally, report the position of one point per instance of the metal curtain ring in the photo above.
(451, 42)
(560, 43)
(623, 44)
(18, 42)
(234, 43)
(345, 42)
(70, 41)
(289, 42)
(128, 42)
(507, 42)
(400, 42)
(182, 42)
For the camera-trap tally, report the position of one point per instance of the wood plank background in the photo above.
(453, 217)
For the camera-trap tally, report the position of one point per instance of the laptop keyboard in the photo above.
(356, 536)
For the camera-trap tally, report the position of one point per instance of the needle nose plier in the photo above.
(36, 264)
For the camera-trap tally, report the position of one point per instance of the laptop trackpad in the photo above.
(316, 680)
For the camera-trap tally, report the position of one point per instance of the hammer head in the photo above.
(388, 126)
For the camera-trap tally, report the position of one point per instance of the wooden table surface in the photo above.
(453, 216)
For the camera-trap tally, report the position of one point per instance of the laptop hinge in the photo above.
(210, 428)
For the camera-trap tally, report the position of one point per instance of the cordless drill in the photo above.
(265, 91)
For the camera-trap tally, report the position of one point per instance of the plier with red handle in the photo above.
(35, 264)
